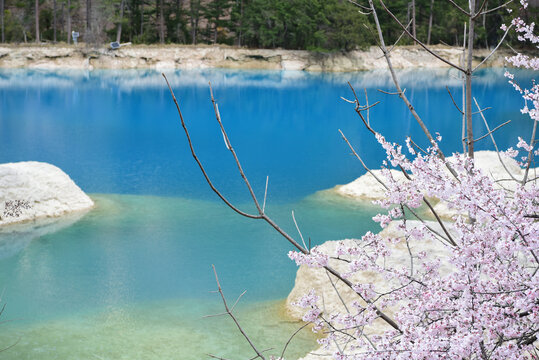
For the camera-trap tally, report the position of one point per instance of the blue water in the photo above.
(131, 279)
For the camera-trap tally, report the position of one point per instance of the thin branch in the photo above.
(229, 312)
(391, 93)
(338, 293)
(240, 169)
(299, 231)
(459, 8)
(481, 110)
(494, 142)
(495, 49)
(291, 337)
(359, 5)
(478, 12)
(400, 37)
(10, 346)
(442, 225)
(385, 186)
(265, 194)
(491, 131)
(401, 93)
(266, 218)
(453, 100)
(367, 105)
(419, 42)
(530, 154)
(496, 8)
(225, 200)
(417, 146)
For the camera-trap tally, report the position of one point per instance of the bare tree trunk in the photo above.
(241, 22)
(413, 19)
(194, 4)
(119, 30)
(69, 21)
(485, 25)
(215, 30)
(469, 124)
(462, 64)
(88, 16)
(2, 19)
(54, 20)
(161, 23)
(430, 21)
(179, 36)
(141, 19)
(37, 20)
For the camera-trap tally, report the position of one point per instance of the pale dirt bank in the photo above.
(63, 56)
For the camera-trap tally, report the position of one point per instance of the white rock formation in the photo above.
(366, 187)
(313, 278)
(189, 57)
(45, 189)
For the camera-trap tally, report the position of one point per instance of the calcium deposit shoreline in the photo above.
(63, 56)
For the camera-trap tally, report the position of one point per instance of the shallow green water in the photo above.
(132, 279)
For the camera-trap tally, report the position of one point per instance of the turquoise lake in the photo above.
(132, 278)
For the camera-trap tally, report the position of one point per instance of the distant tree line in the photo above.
(291, 24)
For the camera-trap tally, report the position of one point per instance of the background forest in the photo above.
(290, 24)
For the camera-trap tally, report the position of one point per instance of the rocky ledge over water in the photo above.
(218, 56)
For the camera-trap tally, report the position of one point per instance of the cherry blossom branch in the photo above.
(448, 240)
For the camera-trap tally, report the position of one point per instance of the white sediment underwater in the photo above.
(36, 198)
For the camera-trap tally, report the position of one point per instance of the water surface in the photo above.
(132, 278)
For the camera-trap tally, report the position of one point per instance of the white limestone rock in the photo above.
(366, 187)
(46, 189)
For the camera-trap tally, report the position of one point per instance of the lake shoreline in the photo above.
(64, 56)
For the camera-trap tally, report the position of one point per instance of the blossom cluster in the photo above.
(485, 306)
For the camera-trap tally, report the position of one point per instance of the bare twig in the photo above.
(291, 337)
(229, 312)
(494, 143)
(453, 100)
(401, 92)
(459, 8)
(391, 93)
(297, 228)
(419, 42)
(400, 37)
(491, 131)
(530, 154)
(225, 200)
(262, 215)
(495, 49)
(265, 195)
(496, 8)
